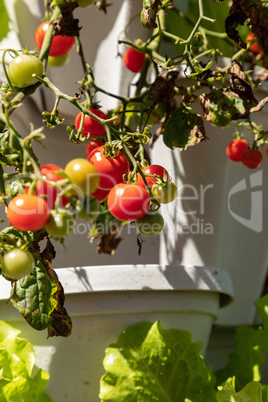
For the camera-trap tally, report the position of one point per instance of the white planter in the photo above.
(219, 218)
(103, 301)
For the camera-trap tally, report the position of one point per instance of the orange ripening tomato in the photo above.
(28, 212)
(254, 47)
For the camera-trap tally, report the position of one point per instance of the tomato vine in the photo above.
(226, 96)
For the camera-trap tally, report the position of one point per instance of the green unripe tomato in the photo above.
(21, 70)
(57, 61)
(85, 3)
(17, 263)
(151, 224)
(220, 118)
(166, 193)
(60, 224)
(88, 209)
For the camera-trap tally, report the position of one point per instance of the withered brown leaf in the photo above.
(255, 13)
(61, 324)
(162, 90)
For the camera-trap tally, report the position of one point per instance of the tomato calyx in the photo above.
(110, 150)
(65, 24)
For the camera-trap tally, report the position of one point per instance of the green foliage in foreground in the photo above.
(17, 363)
(149, 363)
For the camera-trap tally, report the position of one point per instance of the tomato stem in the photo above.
(44, 52)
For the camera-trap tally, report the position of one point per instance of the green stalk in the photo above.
(43, 56)
(2, 182)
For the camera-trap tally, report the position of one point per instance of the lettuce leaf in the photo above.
(17, 363)
(251, 392)
(251, 346)
(149, 363)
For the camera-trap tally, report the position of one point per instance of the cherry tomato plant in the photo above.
(115, 183)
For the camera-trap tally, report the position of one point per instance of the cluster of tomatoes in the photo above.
(126, 201)
(238, 151)
(45, 203)
(61, 46)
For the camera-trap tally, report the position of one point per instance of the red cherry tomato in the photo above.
(28, 212)
(152, 169)
(236, 148)
(60, 45)
(92, 145)
(91, 126)
(252, 158)
(254, 47)
(111, 170)
(100, 194)
(49, 172)
(133, 59)
(266, 150)
(128, 202)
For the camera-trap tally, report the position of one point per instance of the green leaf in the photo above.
(39, 298)
(149, 363)
(265, 393)
(31, 296)
(4, 21)
(17, 361)
(52, 120)
(251, 392)
(251, 346)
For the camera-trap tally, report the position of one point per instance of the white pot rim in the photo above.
(109, 278)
